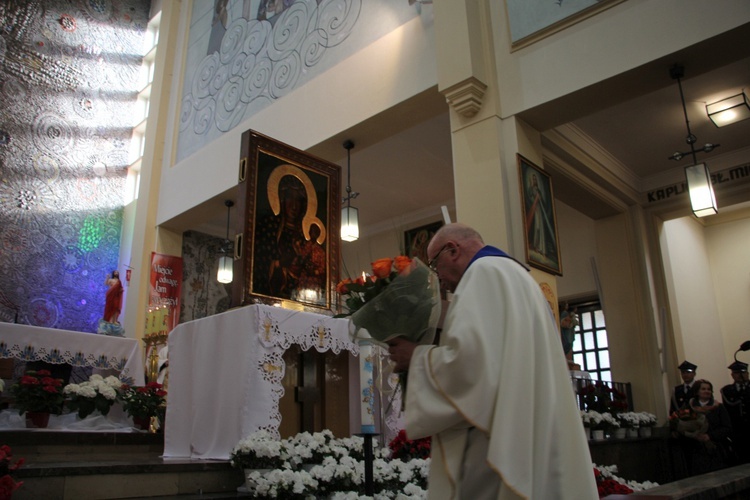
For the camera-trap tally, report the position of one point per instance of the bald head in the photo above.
(451, 250)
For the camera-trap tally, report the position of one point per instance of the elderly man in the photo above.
(496, 393)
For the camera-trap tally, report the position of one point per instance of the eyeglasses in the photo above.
(432, 263)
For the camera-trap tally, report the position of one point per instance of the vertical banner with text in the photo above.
(165, 286)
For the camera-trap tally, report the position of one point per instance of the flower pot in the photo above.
(143, 423)
(645, 432)
(597, 435)
(619, 433)
(632, 433)
(36, 420)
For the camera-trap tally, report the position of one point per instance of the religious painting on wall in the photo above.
(532, 20)
(540, 221)
(292, 205)
(416, 240)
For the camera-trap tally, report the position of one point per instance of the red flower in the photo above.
(28, 380)
(44, 373)
(8, 486)
(405, 449)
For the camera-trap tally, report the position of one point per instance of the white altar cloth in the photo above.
(33, 343)
(225, 374)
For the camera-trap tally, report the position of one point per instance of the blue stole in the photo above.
(490, 251)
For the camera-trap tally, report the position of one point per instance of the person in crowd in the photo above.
(709, 448)
(495, 393)
(681, 393)
(113, 298)
(736, 398)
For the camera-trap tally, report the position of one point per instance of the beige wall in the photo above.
(602, 46)
(577, 248)
(708, 274)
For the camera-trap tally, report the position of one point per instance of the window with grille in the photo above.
(590, 346)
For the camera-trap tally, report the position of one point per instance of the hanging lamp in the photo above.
(349, 214)
(697, 175)
(226, 262)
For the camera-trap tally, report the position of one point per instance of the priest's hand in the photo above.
(400, 351)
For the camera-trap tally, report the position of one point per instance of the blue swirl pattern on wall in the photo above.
(258, 62)
(68, 72)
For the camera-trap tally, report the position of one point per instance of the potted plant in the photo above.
(603, 422)
(629, 421)
(647, 422)
(38, 395)
(306, 450)
(259, 450)
(96, 394)
(142, 403)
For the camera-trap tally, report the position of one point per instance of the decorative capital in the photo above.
(466, 97)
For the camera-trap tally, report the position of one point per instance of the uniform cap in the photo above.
(687, 366)
(738, 366)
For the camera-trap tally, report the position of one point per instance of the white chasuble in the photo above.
(500, 368)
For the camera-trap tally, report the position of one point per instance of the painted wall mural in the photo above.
(245, 54)
(68, 72)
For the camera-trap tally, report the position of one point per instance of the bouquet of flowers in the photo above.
(97, 393)
(688, 423)
(144, 402)
(400, 299)
(38, 392)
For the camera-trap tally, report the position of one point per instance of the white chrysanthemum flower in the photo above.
(87, 391)
(108, 392)
(113, 382)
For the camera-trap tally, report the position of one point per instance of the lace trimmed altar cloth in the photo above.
(225, 374)
(33, 343)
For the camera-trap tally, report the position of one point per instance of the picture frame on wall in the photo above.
(542, 242)
(416, 240)
(530, 21)
(291, 229)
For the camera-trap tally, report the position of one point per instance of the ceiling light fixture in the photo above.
(698, 177)
(226, 262)
(730, 110)
(349, 214)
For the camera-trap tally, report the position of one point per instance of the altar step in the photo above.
(102, 465)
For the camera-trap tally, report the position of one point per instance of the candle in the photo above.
(367, 387)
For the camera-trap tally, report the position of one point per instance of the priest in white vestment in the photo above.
(495, 395)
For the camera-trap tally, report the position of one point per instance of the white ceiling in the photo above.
(401, 163)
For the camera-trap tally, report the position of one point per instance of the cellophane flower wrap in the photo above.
(400, 299)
